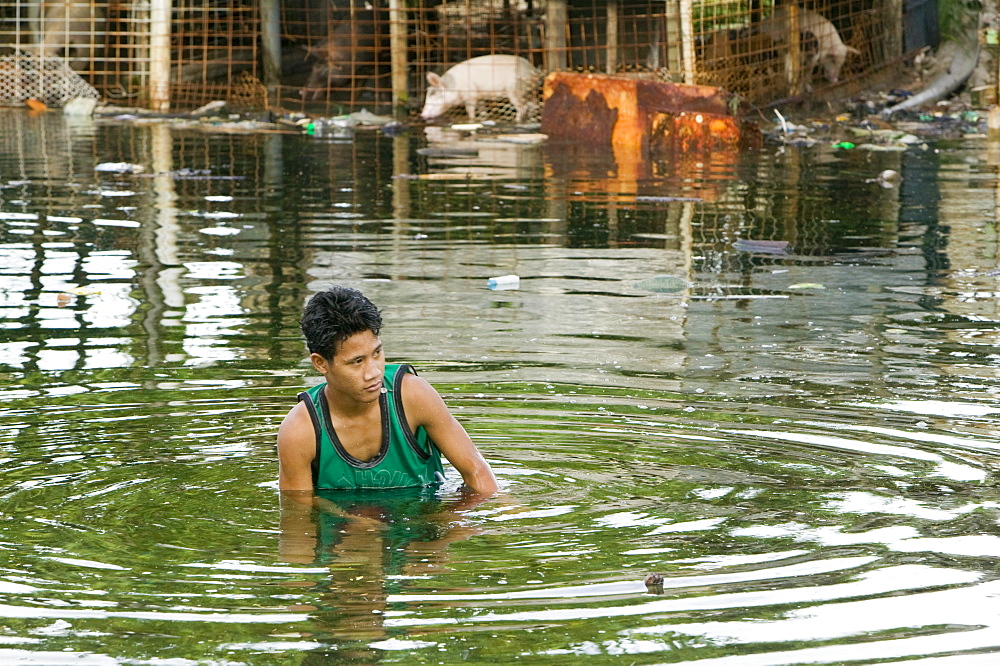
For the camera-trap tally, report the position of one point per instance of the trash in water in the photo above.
(369, 119)
(119, 167)
(846, 145)
(887, 179)
(806, 285)
(524, 138)
(504, 282)
(437, 151)
(761, 246)
(662, 284)
(80, 106)
(667, 199)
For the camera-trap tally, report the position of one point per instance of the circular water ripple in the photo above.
(800, 443)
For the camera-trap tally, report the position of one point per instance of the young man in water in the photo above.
(370, 425)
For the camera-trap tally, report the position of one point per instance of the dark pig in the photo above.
(351, 53)
(73, 29)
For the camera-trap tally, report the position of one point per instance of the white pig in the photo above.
(831, 52)
(486, 77)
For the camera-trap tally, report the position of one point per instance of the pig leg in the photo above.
(518, 102)
(470, 108)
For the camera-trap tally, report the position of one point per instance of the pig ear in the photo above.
(434, 80)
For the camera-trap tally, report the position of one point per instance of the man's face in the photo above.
(355, 372)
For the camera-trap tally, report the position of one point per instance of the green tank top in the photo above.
(404, 460)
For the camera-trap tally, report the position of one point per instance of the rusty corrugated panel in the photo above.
(633, 115)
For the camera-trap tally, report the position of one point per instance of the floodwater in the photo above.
(801, 441)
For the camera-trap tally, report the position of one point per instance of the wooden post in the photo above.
(270, 42)
(687, 39)
(612, 37)
(397, 54)
(793, 58)
(556, 19)
(672, 39)
(894, 19)
(159, 55)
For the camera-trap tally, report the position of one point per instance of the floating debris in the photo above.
(528, 138)
(436, 151)
(654, 583)
(662, 284)
(504, 282)
(119, 167)
(806, 285)
(761, 246)
(80, 107)
(887, 179)
(653, 199)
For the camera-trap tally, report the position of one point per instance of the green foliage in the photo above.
(957, 18)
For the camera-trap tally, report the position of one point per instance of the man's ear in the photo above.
(319, 362)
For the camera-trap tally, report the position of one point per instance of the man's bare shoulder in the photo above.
(418, 394)
(296, 429)
(296, 449)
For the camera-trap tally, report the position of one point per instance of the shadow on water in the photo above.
(759, 375)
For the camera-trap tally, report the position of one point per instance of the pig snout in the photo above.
(436, 103)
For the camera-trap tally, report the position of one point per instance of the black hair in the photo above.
(334, 315)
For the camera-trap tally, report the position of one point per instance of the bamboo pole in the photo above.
(687, 39)
(556, 20)
(672, 39)
(612, 37)
(270, 38)
(793, 59)
(397, 54)
(159, 55)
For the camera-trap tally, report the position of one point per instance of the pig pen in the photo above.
(326, 57)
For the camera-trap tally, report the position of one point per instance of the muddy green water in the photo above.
(802, 443)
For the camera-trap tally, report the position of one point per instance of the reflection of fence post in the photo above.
(556, 20)
(687, 39)
(397, 53)
(401, 207)
(270, 42)
(159, 55)
(160, 280)
(612, 30)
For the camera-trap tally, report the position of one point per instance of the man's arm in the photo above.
(296, 450)
(424, 407)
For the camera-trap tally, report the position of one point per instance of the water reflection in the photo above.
(369, 546)
(801, 442)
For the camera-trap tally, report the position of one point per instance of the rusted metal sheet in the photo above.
(635, 116)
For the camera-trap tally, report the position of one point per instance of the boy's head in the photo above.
(334, 315)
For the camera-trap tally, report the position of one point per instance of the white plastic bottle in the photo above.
(503, 282)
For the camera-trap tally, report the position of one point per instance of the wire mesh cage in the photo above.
(335, 55)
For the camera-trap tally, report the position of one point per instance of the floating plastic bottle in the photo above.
(504, 282)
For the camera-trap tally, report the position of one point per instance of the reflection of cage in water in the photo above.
(318, 55)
